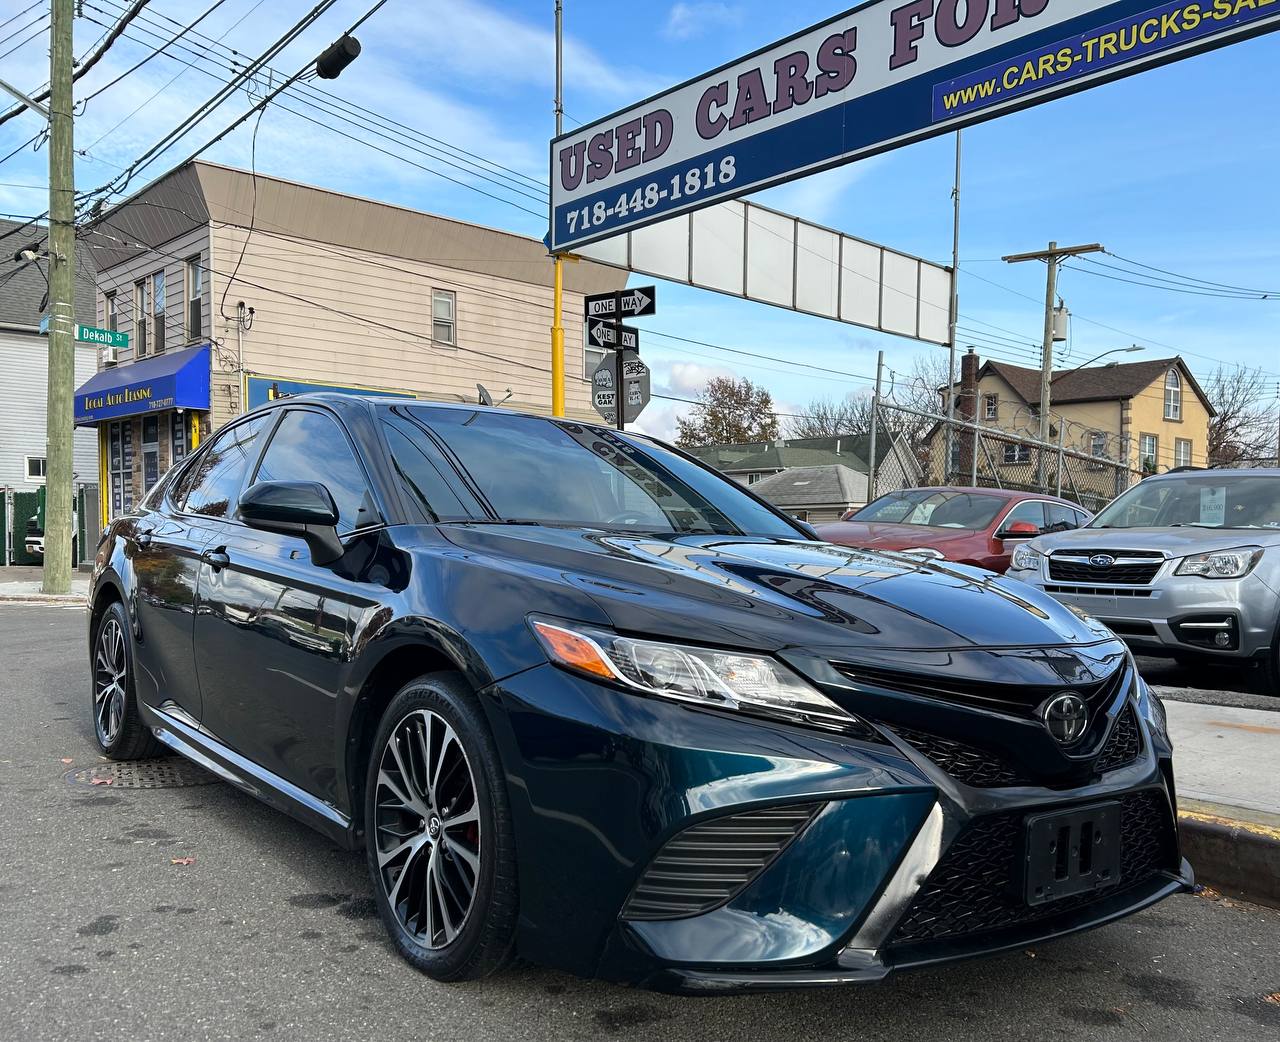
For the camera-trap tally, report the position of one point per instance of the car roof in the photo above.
(1010, 494)
(1241, 472)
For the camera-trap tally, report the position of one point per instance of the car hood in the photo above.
(882, 536)
(1173, 542)
(770, 594)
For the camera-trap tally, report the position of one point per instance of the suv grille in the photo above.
(970, 764)
(975, 888)
(1131, 567)
(1123, 744)
(704, 866)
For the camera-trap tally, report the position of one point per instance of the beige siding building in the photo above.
(280, 288)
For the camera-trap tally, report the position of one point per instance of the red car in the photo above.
(978, 526)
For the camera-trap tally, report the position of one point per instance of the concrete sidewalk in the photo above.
(1227, 766)
(22, 583)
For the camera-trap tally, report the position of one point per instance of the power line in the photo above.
(1191, 278)
(1151, 283)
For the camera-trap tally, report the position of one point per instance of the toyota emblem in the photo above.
(1065, 717)
(1102, 560)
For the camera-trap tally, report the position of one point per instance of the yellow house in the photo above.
(1153, 415)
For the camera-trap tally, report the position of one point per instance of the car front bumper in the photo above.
(600, 781)
(1175, 614)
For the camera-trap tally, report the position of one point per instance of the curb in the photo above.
(1241, 858)
(43, 598)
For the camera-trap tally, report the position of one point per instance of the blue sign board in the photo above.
(175, 380)
(874, 78)
(262, 389)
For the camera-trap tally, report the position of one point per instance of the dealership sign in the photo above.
(879, 76)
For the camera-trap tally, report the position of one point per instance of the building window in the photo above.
(1098, 444)
(444, 328)
(112, 316)
(1182, 452)
(752, 478)
(35, 468)
(991, 406)
(195, 299)
(141, 308)
(157, 311)
(1172, 395)
(120, 465)
(150, 452)
(177, 437)
(1016, 452)
(1148, 453)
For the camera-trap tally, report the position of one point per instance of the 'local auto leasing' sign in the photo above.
(884, 74)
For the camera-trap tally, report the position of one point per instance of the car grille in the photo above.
(1131, 567)
(704, 866)
(976, 887)
(1123, 744)
(966, 763)
(1096, 591)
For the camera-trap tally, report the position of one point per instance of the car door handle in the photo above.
(216, 559)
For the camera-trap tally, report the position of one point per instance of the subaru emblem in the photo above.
(1065, 717)
(1102, 560)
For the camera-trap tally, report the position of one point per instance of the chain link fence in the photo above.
(959, 452)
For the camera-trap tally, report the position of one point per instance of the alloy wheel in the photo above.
(110, 674)
(427, 824)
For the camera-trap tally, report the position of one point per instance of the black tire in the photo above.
(484, 939)
(117, 725)
(1269, 672)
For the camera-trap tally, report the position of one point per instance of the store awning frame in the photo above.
(174, 380)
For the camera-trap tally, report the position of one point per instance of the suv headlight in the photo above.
(1221, 564)
(732, 680)
(1026, 558)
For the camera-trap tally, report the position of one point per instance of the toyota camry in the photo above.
(579, 698)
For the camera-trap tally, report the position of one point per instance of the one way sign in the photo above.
(629, 303)
(605, 334)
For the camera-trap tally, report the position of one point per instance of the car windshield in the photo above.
(538, 471)
(1213, 499)
(933, 509)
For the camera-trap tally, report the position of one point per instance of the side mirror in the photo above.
(301, 508)
(1019, 530)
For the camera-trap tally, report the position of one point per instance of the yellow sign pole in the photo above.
(557, 342)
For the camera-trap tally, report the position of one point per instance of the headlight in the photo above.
(1025, 558)
(926, 552)
(731, 680)
(1221, 564)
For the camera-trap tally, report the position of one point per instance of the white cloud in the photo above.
(687, 20)
(686, 379)
(818, 197)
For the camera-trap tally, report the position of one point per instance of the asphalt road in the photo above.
(271, 932)
(1212, 684)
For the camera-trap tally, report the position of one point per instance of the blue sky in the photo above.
(1176, 168)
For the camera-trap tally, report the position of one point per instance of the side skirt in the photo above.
(244, 774)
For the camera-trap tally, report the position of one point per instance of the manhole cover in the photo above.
(175, 773)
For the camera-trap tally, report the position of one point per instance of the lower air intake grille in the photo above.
(704, 866)
(1123, 744)
(975, 888)
(969, 764)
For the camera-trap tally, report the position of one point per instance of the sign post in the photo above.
(621, 384)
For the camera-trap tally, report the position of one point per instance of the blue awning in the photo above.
(175, 380)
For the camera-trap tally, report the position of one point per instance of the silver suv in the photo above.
(1184, 564)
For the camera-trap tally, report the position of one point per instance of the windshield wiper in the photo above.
(1195, 524)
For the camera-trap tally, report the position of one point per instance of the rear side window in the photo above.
(1061, 517)
(310, 446)
(211, 486)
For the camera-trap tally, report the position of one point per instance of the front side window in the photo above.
(157, 311)
(310, 446)
(1031, 513)
(1182, 452)
(1172, 395)
(537, 471)
(971, 510)
(1148, 453)
(212, 484)
(444, 327)
(141, 309)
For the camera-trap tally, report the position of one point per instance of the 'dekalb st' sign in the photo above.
(874, 78)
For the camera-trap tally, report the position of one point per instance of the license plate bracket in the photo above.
(1071, 852)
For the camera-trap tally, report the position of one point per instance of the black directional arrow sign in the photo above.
(605, 334)
(629, 303)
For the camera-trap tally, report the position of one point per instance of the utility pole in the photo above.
(557, 319)
(954, 315)
(1053, 256)
(62, 262)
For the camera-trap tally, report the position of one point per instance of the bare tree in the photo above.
(728, 411)
(1244, 429)
(832, 417)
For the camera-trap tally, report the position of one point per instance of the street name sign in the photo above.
(629, 303)
(636, 390)
(877, 77)
(606, 334)
(102, 337)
